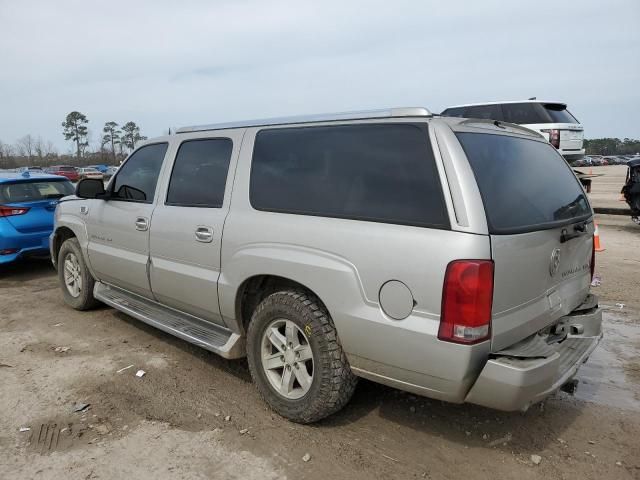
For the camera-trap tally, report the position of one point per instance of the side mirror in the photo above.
(90, 188)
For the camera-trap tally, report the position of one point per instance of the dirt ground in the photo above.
(194, 415)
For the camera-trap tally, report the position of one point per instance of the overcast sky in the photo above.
(173, 63)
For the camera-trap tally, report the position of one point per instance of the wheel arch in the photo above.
(258, 287)
(61, 234)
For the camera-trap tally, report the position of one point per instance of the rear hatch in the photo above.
(39, 197)
(541, 230)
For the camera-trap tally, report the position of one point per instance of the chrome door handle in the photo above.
(204, 234)
(142, 224)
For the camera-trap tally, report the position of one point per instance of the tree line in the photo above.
(612, 146)
(114, 145)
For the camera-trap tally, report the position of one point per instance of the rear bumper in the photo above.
(21, 244)
(513, 380)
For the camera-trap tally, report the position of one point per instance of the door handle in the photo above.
(142, 224)
(204, 234)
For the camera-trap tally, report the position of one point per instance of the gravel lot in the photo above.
(194, 415)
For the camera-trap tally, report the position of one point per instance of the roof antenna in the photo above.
(533, 98)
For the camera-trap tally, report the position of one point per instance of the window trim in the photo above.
(173, 166)
(422, 126)
(113, 180)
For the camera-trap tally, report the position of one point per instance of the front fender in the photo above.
(66, 218)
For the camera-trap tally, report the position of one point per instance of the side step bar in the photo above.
(207, 335)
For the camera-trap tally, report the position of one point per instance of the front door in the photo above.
(118, 227)
(186, 232)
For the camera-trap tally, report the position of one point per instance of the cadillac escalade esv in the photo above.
(447, 257)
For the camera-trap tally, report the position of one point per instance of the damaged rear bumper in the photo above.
(528, 372)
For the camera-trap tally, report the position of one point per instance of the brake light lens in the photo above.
(467, 298)
(554, 137)
(11, 211)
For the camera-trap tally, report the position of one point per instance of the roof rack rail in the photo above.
(324, 117)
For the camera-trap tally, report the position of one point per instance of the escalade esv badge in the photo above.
(555, 261)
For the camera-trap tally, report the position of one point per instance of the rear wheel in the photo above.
(296, 359)
(75, 279)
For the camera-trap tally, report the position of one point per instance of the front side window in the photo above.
(137, 178)
(374, 172)
(200, 173)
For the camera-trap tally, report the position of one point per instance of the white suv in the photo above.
(552, 120)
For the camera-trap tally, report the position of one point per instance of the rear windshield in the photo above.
(67, 169)
(525, 185)
(559, 113)
(34, 191)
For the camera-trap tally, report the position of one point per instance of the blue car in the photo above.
(27, 203)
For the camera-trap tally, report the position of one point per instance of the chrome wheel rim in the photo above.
(287, 359)
(72, 276)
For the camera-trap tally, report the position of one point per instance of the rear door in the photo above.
(118, 228)
(186, 231)
(541, 230)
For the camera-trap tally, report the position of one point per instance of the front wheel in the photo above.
(75, 279)
(296, 359)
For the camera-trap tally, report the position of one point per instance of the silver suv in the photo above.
(446, 257)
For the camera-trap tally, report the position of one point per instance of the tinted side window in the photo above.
(200, 173)
(137, 178)
(490, 112)
(524, 113)
(453, 112)
(382, 173)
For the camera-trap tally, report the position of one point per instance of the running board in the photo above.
(207, 335)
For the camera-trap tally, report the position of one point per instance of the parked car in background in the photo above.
(90, 172)
(101, 168)
(409, 249)
(34, 169)
(111, 171)
(552, 120)
(27, 204)
(71, 173)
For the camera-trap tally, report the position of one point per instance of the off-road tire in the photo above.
(85, 300)
(333, 382)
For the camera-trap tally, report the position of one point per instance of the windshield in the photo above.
(34, 191)
(525, 185)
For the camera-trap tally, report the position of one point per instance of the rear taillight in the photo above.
(11, 211)
(467, 297)
(593, 257)
(554, 137)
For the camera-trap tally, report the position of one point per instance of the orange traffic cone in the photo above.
(596, 239)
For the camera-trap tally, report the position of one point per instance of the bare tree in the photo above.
(6, 156)
(27, 146)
